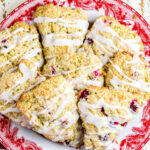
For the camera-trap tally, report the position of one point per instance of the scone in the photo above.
(13, 84)
(80, 68)
(128, 72)
(62, 29)
(105, 113)
(108, 36)
(51, 109)
(20, 41)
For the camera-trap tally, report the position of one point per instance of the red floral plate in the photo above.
(137, 133)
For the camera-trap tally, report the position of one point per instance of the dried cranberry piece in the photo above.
(49, 113)
(96, 73)
(103, 111)
(4, 46)
(38, 74)
(4, 40)
(124, 124)
(105, 21)
(84, 94)
(64, 122)
(110, 22)
(90, 41)
(53, 70)
(133, 105)
(67, 142)
(14, 101)
(106, 137)
(147, 53)
(116, 123)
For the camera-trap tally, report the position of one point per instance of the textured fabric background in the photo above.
(142, 6)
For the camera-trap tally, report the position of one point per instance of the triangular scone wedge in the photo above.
(130, 72)
(62, 29)
(105, 113)
(13, 84)
(51, 109)
(81, 68)
(108, 36)
(20, 41)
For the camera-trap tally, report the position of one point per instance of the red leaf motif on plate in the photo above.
(8, 136)
(140, 134)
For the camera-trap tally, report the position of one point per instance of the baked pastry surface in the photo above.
(80, 68)
(107, 36)
(105, 113)
(21, 59)
(62, 29)
(13, 84)
(20, 41)
(129, 72)
(51, 109)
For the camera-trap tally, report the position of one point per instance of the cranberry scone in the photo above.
(108, 36)
(62, 29)
(20, 41)
(13, 84)
(106, 113)
(51, 109)
(130, 72)
(80, 68)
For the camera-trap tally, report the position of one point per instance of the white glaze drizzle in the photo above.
(100, 122)
(75, 23)
(136, 122)
(8, 97)
(80, 80)
(71, 40)
(50, 40)
(27, 74)
(17, 39)
(139, 84)
(32, 53)
(99, 25)
(10, 70)
(71, 116)
(66, 72)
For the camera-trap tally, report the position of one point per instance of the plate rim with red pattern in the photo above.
(14, 137)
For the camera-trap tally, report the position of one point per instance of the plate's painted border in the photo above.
(115, 8)
(8, 135)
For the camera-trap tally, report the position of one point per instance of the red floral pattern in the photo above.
(125, 15)
(9, 133)
(140, 134)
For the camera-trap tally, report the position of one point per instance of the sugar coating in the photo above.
(20, 41)
(106, 112)
(107, 36)
(128, 72)
(80, 68)
(52, 111)
(62, 29)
